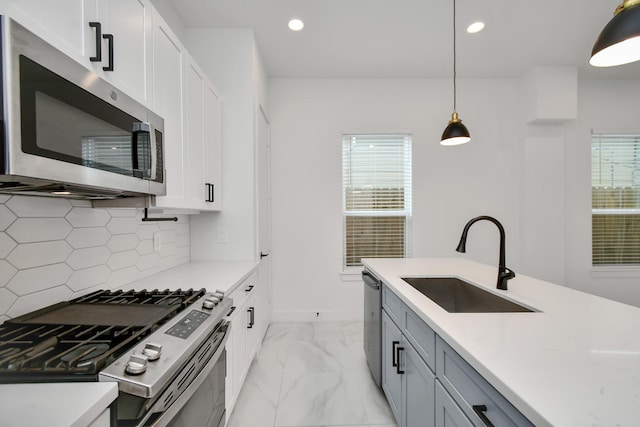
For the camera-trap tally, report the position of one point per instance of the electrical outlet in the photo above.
(223, 236)
(157, 242)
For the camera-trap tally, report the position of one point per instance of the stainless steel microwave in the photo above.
(66, 132)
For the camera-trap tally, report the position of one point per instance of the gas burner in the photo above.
(84, 355)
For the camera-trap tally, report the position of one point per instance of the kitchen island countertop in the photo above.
(573, 362)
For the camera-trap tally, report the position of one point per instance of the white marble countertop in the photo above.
(54, 405)
(211, 275)
(77, 404)
(575, 362)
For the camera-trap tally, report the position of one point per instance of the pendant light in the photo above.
(455, 133)
(619, 41)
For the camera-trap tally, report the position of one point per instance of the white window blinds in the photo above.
(376, 193)
(615, 184)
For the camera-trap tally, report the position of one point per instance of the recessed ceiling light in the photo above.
(475, 27)
(296, 24)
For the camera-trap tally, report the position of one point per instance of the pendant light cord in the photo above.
(454, 55)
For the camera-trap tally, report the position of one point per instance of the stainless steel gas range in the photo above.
(164, 348)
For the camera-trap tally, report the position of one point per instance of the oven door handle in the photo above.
(166, 416)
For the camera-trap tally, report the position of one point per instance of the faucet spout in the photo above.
(504, 273)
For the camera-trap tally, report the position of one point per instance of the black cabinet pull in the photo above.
(398, 370)
(249, 288)
(394, 363)
(210, 192)
(231, 311)
(263, 255)
(98, 27)
(480, 412)
(251, 312)
(109, 38)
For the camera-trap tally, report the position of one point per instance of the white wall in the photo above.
(603, 105)
(450, 184)
(227, 56)
(534, 178)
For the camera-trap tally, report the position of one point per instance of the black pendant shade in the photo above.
(619, 41)
(455, 133)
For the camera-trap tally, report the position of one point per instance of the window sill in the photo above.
(615, 272)
(351, 275)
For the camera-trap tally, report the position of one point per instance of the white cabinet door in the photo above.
(169, 62)
(252, 334)
(238, 354)
(195, 121)
(129, 52)
(263, 300)
(211, 149)
(203, 141)
(65, 25)
(124, 27)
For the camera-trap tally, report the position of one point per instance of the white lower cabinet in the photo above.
(427, 383)
(245, 339)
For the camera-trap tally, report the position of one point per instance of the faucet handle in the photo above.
(503, 276)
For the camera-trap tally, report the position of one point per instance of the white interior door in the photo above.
(264, 216)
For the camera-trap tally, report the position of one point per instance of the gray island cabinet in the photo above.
(571, 361)
(427, 383)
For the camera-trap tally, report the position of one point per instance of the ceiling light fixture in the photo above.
(619, 41)
(455, 133)
(296, 24)
(476, 27)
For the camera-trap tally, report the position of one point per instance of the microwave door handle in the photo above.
(154, 153)
(144, 127)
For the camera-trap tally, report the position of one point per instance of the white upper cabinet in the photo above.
(169, 63)
(65, 26)
(203, 138)
(128, 43)
(212, 145)
(125, 42)
(110, 37)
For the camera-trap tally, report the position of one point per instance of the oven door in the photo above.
(202, 403)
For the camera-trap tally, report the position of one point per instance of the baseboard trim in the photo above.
(317, 316)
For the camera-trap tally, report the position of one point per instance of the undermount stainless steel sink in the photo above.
(457, 296)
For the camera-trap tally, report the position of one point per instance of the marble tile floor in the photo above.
(314, 375)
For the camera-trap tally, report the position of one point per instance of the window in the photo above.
(615, 199)
(376, 194)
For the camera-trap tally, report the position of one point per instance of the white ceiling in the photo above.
(414, 38)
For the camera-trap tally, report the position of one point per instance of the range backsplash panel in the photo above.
(52, 250)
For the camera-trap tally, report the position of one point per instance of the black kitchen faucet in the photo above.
(504, 273)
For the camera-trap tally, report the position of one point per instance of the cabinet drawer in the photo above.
(469, 389)
(420, 335)
(392, 305)
(244, 290)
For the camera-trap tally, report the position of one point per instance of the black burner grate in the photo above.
(46, 346)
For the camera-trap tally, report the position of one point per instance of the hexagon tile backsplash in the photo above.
(52, 250)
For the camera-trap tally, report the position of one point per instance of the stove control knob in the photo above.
(137, 364)
(152, 351)
(210, 302)
(218, 293)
